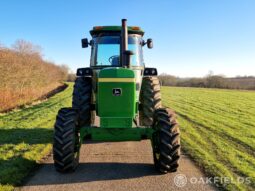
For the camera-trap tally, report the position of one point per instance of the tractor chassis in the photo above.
(116, 134)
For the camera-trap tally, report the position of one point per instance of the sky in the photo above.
(191, 37)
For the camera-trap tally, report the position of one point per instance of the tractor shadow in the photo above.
(92, 171)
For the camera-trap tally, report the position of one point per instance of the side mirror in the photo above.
(84, 43)
(149, 43)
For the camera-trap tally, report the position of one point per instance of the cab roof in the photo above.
(115, 29)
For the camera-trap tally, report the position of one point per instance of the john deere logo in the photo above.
(116, 91)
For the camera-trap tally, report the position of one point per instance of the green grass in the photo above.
(26, 137)
(217, 131)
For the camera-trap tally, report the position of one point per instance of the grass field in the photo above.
(218, 131)
(25, 138)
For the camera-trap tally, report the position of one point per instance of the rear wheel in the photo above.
(66, 143)
(166, 141)
(150, 99)
(82, 100)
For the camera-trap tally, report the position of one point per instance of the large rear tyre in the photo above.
(166, 141)
(82, 100)
(66, 143)
(150, 99)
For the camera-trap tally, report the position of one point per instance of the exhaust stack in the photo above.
(125, 54)
(124, 42)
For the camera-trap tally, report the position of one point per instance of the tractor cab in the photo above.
(106, 49)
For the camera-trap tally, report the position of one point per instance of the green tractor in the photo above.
(116, 99)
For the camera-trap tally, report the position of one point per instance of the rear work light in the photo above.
(150, 72)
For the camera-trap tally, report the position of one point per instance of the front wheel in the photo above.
(166, 141)
(66, 143)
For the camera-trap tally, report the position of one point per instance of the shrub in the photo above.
(25, 75)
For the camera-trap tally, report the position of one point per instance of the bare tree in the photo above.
(25, 47)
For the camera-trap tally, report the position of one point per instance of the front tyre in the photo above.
(166, 141)
(66, 141)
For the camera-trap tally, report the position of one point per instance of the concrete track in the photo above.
(116, 166)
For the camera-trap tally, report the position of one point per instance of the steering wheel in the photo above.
(112, 58)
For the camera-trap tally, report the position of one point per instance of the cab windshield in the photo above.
(106, 51)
